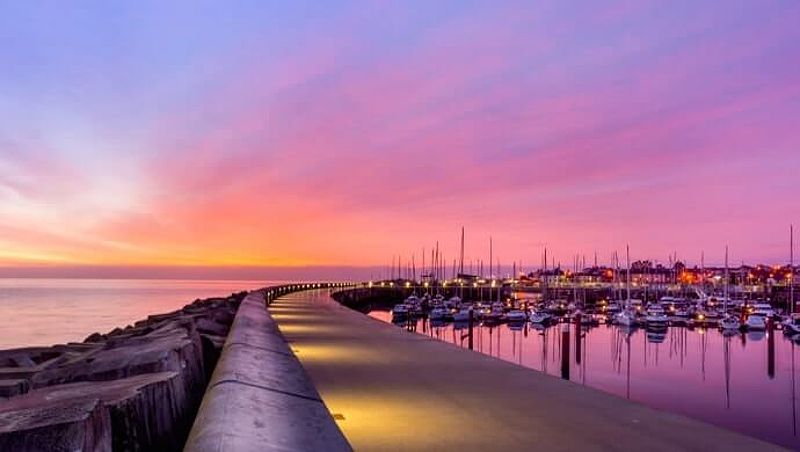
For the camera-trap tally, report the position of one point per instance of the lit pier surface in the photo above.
(259, 398)
(394, 390)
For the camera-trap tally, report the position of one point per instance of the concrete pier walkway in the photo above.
(389, 389)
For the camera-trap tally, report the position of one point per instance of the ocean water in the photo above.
(49, 311)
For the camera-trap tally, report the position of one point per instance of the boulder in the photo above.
(145, 412)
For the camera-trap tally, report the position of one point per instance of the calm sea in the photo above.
(51, 311)
(745, 382)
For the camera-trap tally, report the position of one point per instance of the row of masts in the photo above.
(436, 268)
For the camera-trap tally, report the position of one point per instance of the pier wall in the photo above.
(260, 397)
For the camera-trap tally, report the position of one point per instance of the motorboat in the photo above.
(791, 325)
(540, 317)
(756, 322)
(438, 313)
(400, 310)
(495, 314)
(626, 318)
(730, 322)
(589, 319)
(463, 315)
(764, 309)
(656, 318)
(516, 316)
(453, 303)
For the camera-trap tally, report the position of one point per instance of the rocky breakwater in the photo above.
(135, 388)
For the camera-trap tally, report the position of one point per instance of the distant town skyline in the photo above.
(193, 135)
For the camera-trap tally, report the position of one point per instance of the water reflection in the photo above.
(742, 381)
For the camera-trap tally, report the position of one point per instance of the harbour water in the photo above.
(50, 311)
(745, 382)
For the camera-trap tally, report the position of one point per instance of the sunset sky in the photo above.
(337, 133)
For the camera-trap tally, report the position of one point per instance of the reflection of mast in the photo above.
(544, 351)
(794, 404)
(513, 343)
(727, 361)
(565, 351)
(490, 340)
(583, 361)
(703, 354)
(618, 350)
(770, 350)
(498, 342)
(628, 372)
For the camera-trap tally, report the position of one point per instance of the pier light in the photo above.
(444, 284)
(370, 284)
(494, 283)
(474, 284)
(425, 284)
(408, 284)
(382, 284)
(391, 284)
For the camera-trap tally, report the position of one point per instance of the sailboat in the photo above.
(627, 317)
(728, 322)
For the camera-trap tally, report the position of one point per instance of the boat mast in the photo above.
(544, 277)
(499, 286)
(791, 267)
(490, 257)
(703, 270)
(628, 273)
(461, 265)
(725, 296)
(422, 269)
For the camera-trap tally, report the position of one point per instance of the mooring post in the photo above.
(471, 321)
(578, 337)
(565, 351)
(770, 348)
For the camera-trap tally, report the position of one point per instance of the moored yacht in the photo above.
(792, 324)
(516, 316)
(626, 318)
(540, 317)
(462, 315)
(656, 318)
(756, 322)
(438, 313)
(730, 323)
(400, 310)
(453, 303)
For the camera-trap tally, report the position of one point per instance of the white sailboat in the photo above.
(627, 317)
(730, 323)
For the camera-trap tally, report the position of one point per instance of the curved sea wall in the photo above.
(260, 397)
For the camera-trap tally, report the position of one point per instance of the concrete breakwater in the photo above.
(260, 397)
(134, 388)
